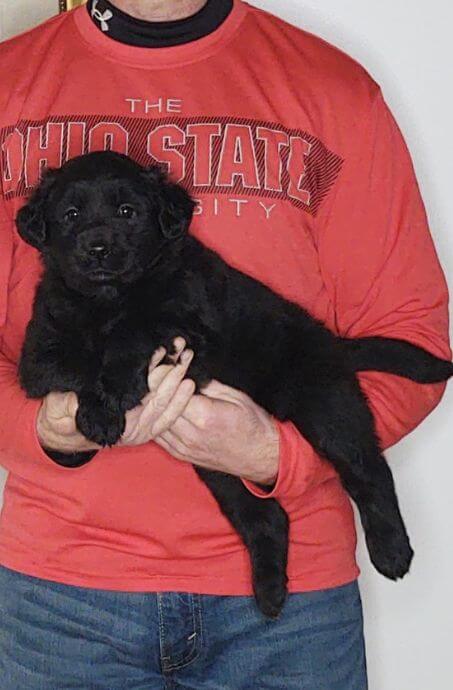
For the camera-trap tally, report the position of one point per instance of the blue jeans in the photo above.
(55, 637)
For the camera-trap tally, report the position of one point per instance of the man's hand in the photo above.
(56, 423)
(169, 395)
(222, 429)
(56, 426)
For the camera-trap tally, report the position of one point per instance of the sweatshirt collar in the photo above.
(164, 57)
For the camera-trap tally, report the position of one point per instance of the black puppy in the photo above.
(122, 277)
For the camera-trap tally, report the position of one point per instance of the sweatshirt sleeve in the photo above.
(20, 450)
(383, 277)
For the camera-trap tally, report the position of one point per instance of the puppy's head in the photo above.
(102, 220)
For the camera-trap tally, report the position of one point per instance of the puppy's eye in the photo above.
(71, 214)
(126, 211)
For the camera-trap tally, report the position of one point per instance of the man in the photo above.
(123, 573)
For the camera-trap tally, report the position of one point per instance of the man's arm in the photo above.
(33, 432)
(383, 277)
(381, 269)
(20, 445)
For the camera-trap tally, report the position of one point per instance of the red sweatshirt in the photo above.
(304, 182)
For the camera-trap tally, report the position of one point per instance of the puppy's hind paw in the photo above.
(270, 594)
(98, 422)
(391, 554)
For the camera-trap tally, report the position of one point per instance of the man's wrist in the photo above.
(269, 459)
(270, 477)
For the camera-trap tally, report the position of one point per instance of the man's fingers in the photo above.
(164, 380)
(163, 393)
(132, 421)
(155, 378)
(165, 383)
(175, 408)
(156, 374)
(150, 415)
(185, 431)
(62, 405)
(72, 404)
(173, 446)
(179, 344)
(157, 357)
(202, 409)
(215, 389)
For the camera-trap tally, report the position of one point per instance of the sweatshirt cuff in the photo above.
(298, 469)
(69, 460)
(20, 449)
(32, 445)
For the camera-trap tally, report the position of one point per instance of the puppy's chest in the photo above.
(124, 340)
(139, 335)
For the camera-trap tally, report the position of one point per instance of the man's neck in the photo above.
(159, 10)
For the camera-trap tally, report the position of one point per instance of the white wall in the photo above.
(407, 48)
(18, 15)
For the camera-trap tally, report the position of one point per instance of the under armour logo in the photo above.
(101, 18)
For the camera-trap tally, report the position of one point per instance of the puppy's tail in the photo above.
(396, 357)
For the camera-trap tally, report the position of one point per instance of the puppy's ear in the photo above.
(176, 207)
(30, 220)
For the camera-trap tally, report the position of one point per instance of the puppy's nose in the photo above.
(98, 250)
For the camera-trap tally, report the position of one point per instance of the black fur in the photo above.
(115, 287)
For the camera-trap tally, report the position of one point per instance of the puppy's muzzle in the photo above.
(96, 249)
(103, 253)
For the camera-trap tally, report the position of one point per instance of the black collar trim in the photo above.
(124, 28)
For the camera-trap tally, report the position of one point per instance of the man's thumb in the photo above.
(72, 404)
(61, 405)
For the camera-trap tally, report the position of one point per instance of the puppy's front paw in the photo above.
(100, 421)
